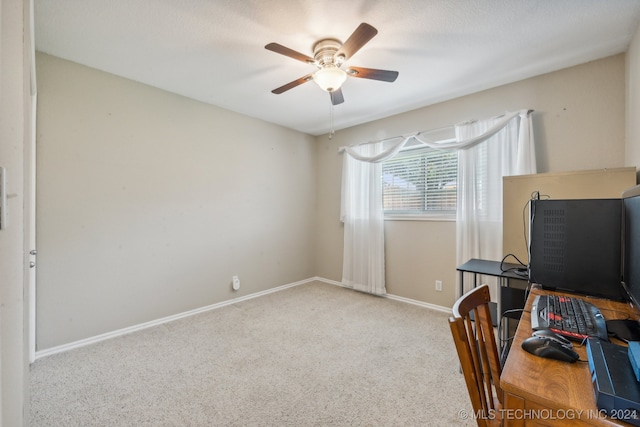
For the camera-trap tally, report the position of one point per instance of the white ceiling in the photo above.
(213, 50)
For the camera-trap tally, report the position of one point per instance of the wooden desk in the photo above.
(539, 391)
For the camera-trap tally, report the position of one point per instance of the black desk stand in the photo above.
(508, 298)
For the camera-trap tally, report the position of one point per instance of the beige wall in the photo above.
(578, 124)
(149, 203)
(632, 154)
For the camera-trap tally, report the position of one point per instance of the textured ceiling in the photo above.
(213, 50)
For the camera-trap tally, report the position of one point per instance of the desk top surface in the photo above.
(492, 268)
(551, 383)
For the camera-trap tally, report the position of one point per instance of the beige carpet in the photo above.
(311, 355)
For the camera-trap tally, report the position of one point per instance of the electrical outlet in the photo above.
(235, 283)
(3, 198)
(438, 285)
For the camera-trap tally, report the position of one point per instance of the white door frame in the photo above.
(30, 184)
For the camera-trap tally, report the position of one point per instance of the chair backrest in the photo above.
(475, 341)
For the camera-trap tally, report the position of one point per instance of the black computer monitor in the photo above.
(576, 246)
(629, 329)
(631, 244)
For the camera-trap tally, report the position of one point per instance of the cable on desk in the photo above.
(525, 221)
(513, 310)
(524, 272)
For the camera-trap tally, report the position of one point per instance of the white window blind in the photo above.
(420, 181)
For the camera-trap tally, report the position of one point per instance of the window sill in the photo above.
(407, 217)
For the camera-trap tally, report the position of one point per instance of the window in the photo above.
(420, 181)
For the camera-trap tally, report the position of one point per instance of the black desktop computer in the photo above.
(576, 246)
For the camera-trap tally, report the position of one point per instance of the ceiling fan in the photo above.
(329, 55)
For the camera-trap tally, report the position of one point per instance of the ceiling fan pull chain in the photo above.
(331, 131)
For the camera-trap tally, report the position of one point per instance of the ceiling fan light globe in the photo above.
(329, 78)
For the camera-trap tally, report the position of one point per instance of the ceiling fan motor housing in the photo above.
(324, 52)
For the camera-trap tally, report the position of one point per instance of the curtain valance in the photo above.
(500, 123)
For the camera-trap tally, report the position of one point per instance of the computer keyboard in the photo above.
(571, 317)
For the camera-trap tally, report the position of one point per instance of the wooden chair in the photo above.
(475, 341)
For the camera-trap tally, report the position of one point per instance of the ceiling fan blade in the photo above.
(373, 74)
(336, 97)
(293, 84)
(278, 48)
(359, 38)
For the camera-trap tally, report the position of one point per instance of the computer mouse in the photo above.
(552, 335)
(549, 348)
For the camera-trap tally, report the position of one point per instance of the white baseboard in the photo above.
(420, 303)
(102, 337)
(395, 297)
(113, 334)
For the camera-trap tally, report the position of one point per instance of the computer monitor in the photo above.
(631, 246)
(576, 246)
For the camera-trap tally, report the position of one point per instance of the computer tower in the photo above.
(576, 246)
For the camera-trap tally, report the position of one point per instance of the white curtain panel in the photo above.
(487, 151)
(363, 216)
(491, 149)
